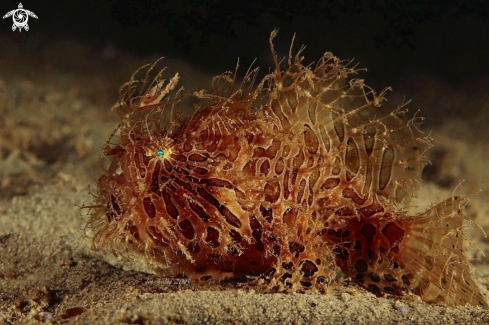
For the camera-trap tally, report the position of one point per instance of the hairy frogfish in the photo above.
(286, 181)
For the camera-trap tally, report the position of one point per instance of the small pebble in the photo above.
(46, 316)
(402, 309)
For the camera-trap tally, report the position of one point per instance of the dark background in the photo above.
(446, 40)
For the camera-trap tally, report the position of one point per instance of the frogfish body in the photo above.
(289, 182)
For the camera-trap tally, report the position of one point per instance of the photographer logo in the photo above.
(20, 17)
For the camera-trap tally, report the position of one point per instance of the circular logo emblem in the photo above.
(20, 17)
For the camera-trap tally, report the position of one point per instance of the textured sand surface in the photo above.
(54, 119)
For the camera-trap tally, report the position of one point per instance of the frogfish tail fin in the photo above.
(434, 257)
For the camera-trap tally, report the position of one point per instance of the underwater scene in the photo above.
(192, 163)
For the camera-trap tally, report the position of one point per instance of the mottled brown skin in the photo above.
(243, 227)
(286, 183)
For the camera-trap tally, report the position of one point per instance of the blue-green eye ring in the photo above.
(160, 153)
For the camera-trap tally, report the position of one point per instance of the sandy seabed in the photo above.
(55, 118)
